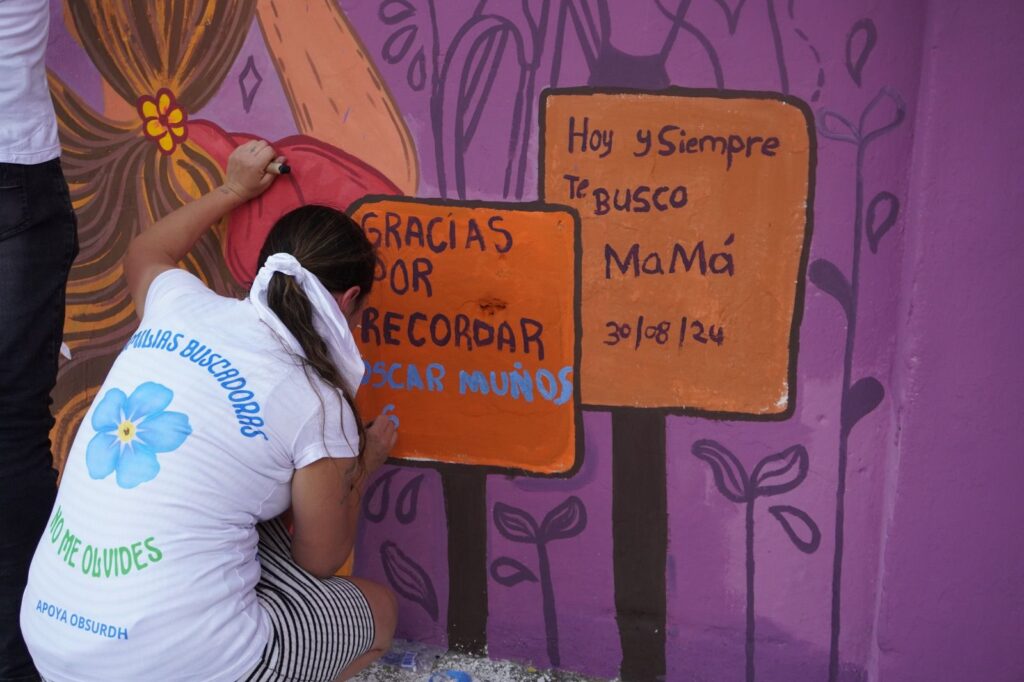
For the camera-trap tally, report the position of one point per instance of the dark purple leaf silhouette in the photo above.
(515, 524)
(826, 276)
(791, 518)
(399, 43)
(408, 579)
(859, 44)
(890, 210)
(730, 476)
(732, 14)
(564, 521)
(862, 398)
(780, 473)
(515, 572)
(378, 497)
(405, 505)
(393, 12)
(882, 114)
(416, 75)
(836, 127)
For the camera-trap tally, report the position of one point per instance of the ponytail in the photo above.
(289, 302)
(328, 244)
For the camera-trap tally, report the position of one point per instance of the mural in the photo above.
(596, 222)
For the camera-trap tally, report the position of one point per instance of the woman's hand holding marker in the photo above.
(252, 168)
(381, 435)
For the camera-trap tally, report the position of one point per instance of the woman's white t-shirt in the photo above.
(148, 564)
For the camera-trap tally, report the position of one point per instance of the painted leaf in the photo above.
(416, 75)
(884, 113)
(859, 44)
(399, 43)
(799, 526)
(509, 572)
(886, 205)
(826, 276)
(862, 398)
(730, 476)
(405, 505)
(408, 578)
(393, 12)
(564, 521)
(378, 497)
(835, 127)
(483, 59)
(515, 524)
(781, 472)
(477, 54)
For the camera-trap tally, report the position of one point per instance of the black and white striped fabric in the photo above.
(318, 626)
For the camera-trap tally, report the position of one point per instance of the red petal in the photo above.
(321, 174)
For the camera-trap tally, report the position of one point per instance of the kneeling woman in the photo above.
(168, 555)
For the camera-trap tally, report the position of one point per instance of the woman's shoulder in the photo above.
(176, 290)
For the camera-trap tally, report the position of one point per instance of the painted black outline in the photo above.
(801, 282)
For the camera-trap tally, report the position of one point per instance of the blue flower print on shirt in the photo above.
(131, 431)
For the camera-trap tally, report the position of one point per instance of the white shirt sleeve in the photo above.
(172, 284)
(330, 431)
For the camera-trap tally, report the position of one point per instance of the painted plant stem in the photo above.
(750, 641)
(844, 434)
(567, 520)
(858, 398)
(774, 474)
(780, 56)
(548, 598)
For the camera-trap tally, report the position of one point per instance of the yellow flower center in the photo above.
(126, 431)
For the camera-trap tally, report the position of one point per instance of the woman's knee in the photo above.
(384, 607)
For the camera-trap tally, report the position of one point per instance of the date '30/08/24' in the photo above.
(660, 333)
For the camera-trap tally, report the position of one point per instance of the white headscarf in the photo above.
(328, 319)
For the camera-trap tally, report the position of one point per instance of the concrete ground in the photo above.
(446, 667)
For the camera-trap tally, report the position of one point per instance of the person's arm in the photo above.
(163, 244)
(326, 501)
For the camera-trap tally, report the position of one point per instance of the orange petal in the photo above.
(167, 143)
(175, 116)
(154, 128)
(148, 108)
(178, 131)
(164, 102)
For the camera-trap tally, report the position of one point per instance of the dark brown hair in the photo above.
(331, 246)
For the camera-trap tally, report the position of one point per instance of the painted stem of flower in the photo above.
(548, 599)
(844, 433)
(750, 590)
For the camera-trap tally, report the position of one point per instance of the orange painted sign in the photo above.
(470, 331)
(695, 216)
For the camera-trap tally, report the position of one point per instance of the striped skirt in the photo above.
(319, 626)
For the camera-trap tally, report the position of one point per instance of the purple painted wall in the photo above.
(952, 604)
(904, 371)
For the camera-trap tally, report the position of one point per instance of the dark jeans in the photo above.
(38, 242)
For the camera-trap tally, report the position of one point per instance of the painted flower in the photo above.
(131, 430)
(163, 120)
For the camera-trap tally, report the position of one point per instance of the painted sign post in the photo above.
(470, 339)
(695, 220)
